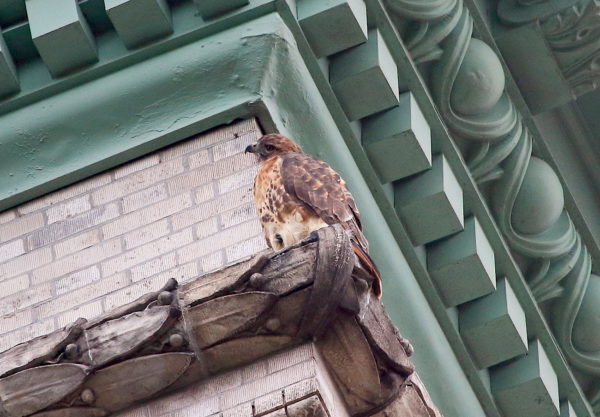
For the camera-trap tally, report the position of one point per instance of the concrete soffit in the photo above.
(360, 100)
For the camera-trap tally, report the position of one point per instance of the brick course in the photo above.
(179, 212)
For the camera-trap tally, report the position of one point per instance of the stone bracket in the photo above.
(232, 317)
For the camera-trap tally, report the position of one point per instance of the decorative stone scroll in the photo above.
(467, 83)
(163, 341)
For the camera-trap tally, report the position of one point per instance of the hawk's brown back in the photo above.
(317, 185)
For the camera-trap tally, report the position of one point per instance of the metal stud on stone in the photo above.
(176, 340)
(88, 396)
(407, 346)
(165, 298)
(257, 280)
(273, 324)
(71, 351)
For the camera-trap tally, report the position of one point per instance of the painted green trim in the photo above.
(36, 83)
(537, 325)
(139, 22)
(262, 71)
(278, 87)
(543, 149)
(64, 143)
(61, 35)
(211, 8)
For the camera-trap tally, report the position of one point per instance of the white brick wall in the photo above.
(180, 212)
(259, 389)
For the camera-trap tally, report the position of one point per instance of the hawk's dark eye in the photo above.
(269, 148)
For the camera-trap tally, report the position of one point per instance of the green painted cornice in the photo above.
(426, 225)
(36, 82)
(263, 66)
(561, 36)
(524, 191)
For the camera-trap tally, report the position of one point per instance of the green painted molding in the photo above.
(44, 153)
(537, 326)
(32, 164)
(502, 130)
(254, 68)
(563, 37)
(36, 83)
(516, 12)
(209, 9)
(9, 79)
(61, 35)
(255, 62)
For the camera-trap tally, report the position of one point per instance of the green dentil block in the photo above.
(493, 327)
(430, 204)
(139, 22)
(212, 8)
(365, 78)
(527, 386)
(566, 410)
(61, 35)
(333, 25)
(398, 140)
(462, 265)
(9, 80)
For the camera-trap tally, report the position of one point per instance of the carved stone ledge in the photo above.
(315, 290)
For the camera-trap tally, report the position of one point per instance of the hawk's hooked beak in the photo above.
(251, 148)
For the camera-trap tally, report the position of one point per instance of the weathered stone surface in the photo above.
(34, 389)
(292, 270)
(345, 344)
(314, 290)
(204, 289)
(244, 350)
(408, 404)
(118, 386)
(329, 278)
(225, 316)
(136, 305)
(38, 350)
(384, 338)
(120, 337)
(288, 312)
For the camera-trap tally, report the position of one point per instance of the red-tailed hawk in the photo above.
(296, 193)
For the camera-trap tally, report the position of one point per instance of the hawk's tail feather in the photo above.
(370, 266)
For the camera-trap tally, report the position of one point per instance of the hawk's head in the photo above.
(273, 144)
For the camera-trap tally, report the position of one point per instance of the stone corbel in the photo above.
(315, 290)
